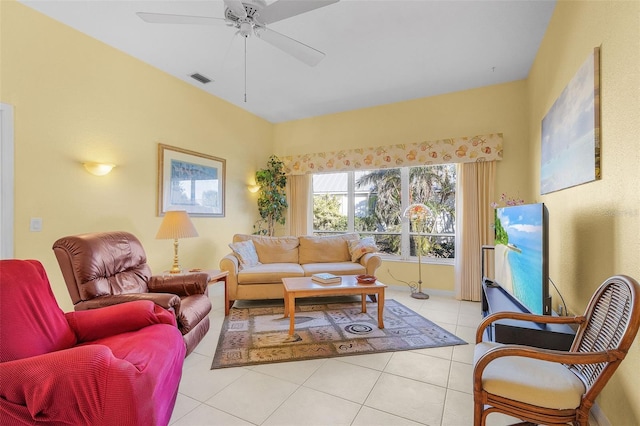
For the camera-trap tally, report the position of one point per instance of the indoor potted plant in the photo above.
(272, 198)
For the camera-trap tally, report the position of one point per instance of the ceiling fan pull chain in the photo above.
(245, 69)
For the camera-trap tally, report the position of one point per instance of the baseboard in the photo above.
(597, 417)
(439, 293)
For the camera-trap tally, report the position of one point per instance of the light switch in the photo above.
(36, 224)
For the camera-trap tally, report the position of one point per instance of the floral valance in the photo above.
(454, 150)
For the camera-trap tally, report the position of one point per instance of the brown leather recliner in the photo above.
(107, 268)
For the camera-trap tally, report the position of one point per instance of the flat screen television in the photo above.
(522, 254)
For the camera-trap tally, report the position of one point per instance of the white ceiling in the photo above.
(377, 52)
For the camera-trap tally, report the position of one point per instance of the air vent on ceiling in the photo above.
(201, 78)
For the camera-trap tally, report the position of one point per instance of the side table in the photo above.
(216, 275)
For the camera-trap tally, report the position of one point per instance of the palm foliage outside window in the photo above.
(371, 203)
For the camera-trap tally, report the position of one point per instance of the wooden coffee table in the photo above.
(306, 287)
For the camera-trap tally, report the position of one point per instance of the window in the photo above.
(372, 202)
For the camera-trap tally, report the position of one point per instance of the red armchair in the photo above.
(118, 365)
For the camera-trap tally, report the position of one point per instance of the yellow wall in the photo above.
(76, 99)
(500, 108)
(595, 227)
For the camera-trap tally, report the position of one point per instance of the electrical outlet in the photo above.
(35, 225)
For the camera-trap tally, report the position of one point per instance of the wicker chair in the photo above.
(550, 387)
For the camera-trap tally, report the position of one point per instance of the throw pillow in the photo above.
(359, 248)
(246, 253)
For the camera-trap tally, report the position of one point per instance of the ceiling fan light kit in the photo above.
(246, 28)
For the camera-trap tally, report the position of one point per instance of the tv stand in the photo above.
(547, 336)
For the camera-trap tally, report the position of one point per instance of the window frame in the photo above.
(405, 234)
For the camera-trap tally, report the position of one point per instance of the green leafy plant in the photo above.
(501, 236)
(327, 215)
(272, 198)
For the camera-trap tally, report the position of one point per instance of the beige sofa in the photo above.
(282, 257)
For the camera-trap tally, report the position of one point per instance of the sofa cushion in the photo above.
(552, 386)
(358, 248)
(336, 268)
(325, 249)
(272, 249)
(246, 253)
(269, 273)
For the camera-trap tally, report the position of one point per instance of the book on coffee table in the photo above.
(325, 278)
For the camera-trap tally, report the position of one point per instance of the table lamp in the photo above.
(176, 224)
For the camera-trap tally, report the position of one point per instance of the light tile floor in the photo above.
(421, 387)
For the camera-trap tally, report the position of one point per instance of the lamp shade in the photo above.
(417, 211)
(176, 224)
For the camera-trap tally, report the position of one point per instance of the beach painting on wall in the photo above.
(571, 132)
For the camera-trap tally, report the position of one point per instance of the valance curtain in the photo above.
(474, 215)
(474, 149)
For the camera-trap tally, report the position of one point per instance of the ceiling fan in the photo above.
(251, 17)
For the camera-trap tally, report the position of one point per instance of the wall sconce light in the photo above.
(253, 188)
(98, 169)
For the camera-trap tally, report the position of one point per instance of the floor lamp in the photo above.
(417, 215)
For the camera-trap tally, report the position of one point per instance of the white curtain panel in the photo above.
(300, 199)
(474, 220)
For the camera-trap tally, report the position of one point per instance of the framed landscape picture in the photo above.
(571, 132)
(190, 181)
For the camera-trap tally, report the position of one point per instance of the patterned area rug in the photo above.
(260, 335)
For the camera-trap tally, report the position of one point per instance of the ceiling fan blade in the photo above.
(283, 9)
(300, 51)
(161, 18)
(236, 7)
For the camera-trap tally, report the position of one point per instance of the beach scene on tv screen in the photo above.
(518, 253)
